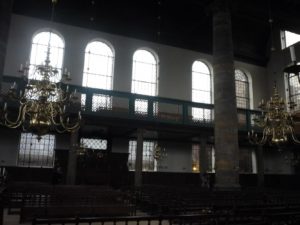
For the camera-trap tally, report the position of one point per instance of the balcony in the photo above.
(118, 106)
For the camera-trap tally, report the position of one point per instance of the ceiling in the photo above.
(181, 23)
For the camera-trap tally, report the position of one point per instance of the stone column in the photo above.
(203, 157)
(260, 165)
(5, 15)
(139, 159)
(72, 159)
(226, 126)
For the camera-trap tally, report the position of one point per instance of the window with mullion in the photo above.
(36, 153)
(39, 48)
(144, 78)
(242, 90)
(98, 73)
(149, 164)
(201, 90)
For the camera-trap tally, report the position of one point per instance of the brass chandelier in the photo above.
(159, 153)
(42, 103)
(277, 124)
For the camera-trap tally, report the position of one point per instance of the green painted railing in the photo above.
(118, 104)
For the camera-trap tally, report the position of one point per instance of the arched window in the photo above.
(289, 38)
(242, 90)
(39, 50)
(201, 90)
(98, 72)
(144, 78)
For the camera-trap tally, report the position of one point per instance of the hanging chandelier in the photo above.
(277, 124)
(42, 103)
(159, 153)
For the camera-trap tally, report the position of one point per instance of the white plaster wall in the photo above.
(174, 63)
(178, 157)
(174, 73)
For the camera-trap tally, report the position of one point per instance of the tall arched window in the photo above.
(144, 78)
(242, 90)
(98, 72)
(201, 90)
(39, 49)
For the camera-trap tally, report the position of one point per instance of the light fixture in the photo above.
(277, 124)
(80, 149)
(42, 101)
(159, 153)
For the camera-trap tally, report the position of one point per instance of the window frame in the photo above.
(147, 156)
(32, 137)
(142, 108)
(246, 83)
(200, 114)
(35, 48)
(99, 101)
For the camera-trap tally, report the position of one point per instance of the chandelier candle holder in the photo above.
(277, 124)
(42, 103)
(159, 153)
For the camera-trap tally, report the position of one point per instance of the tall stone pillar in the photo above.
(203, 157)
(139, 158)
(72, 159)
(260, 166)
(5, 15)
(226, 126)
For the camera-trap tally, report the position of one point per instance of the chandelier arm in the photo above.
(53, 114)
(264, 138)
(293, 136)
(18, 121)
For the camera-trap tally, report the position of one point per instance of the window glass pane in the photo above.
(201, 88)
(294, 90)
(36, 153)
(242, 90)
(98, 70)
(291, 38)
(39, 49)
(94, 143)
(144, 73)
(201, 81)
(148, 159)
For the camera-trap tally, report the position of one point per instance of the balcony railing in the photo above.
(126, 105)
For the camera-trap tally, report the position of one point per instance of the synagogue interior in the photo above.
(152, 112)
